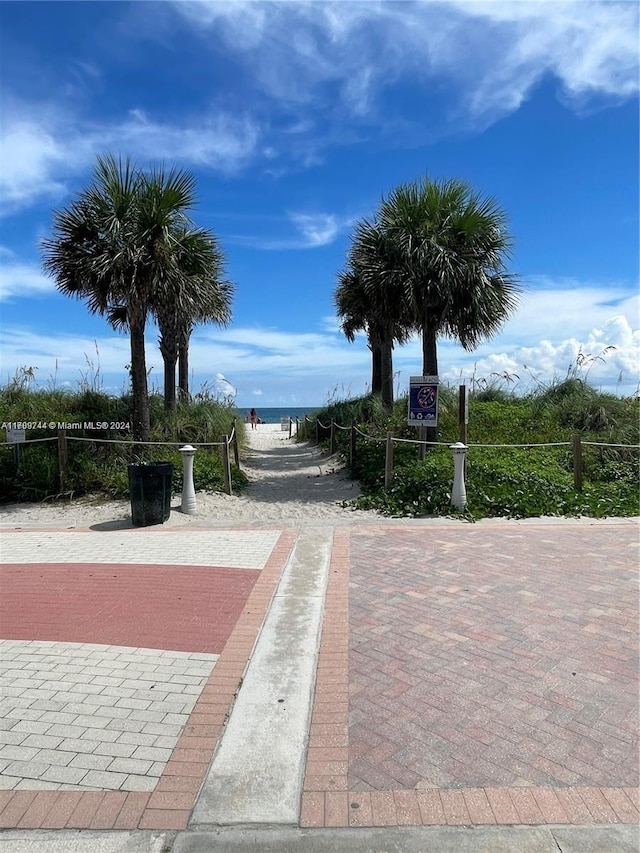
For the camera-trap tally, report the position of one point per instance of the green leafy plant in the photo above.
(506, 481)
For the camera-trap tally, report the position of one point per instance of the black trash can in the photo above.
(150, 490)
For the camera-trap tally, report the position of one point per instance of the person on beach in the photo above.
(253, 417)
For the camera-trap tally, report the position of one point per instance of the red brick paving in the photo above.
(494, 658)
(144, 606)
(327, 800)
(519, 712)
(169, 806)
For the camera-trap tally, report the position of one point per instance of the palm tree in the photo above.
(448, 248)
(216, 308)
(369, 299)
(196, 294)
(355, 312)
(115, 247)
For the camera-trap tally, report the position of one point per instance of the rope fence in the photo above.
(227, 444)
(390, 440)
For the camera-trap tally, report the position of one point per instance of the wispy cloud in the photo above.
(325, 71)
(42, 150)
(489, 54)
(314, 229)
(20, 279)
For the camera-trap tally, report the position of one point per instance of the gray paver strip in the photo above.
(85, 842)
(409, 839)
(247, 549)
(256, 776)
(86, 716)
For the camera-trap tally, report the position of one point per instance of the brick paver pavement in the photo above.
(157, 606)
(477, 675)
(85, 716)
(102, 689)
(494, 658)
(247, 549)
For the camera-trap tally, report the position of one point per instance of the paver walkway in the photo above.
(477, 675)
(111, 717)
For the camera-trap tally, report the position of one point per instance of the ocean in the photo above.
(272, 415)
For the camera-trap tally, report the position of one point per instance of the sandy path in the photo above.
(288, 481)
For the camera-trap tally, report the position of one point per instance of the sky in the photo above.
(297, 118)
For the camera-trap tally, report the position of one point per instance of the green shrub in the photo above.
(96, 466)
(516, 482)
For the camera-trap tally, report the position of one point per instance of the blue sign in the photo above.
(423, 401)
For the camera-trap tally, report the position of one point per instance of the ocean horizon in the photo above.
(274, 414)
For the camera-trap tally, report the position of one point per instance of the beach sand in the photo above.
(288, 480)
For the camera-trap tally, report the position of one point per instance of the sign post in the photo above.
(423, 401)
(16, 437)
(423, 406)
(463, 412)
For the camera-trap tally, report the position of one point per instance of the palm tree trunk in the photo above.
(183, 365)
(139, 388)
(376, 369)
(169, 381)
(386, 370)
(429, 368)
(429, 350)
(169, 351)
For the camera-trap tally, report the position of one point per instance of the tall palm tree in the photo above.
(355, 312)
(114, 246)
(215, 307)
(449, 249)
(368, 298)
(196, 294)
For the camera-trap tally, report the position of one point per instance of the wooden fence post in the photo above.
(352, 445)
(463, 413)
(388, 461)
(577, 463)
(422, 448)
(226, 464)
(332, 438)
(290, 426)
(63, 459)
(236, 449)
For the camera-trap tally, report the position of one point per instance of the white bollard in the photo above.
(188, 505)
(458, 492)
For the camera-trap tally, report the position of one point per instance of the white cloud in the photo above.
(495, 52)
(31, 154)
(324, 63)
(318, 230)
(19, 279)
(40, 155)
(315, 230)
(220, 140)
(67, 357)
(557, 326)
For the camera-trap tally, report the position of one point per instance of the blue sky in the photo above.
(296, 119)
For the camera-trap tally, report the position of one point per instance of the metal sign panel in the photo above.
(16, 436)
(423, 401)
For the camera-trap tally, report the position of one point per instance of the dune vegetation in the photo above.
(97, 465)
(515, 482)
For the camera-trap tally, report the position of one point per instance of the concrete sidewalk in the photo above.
(428, 687)
(517, 839)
